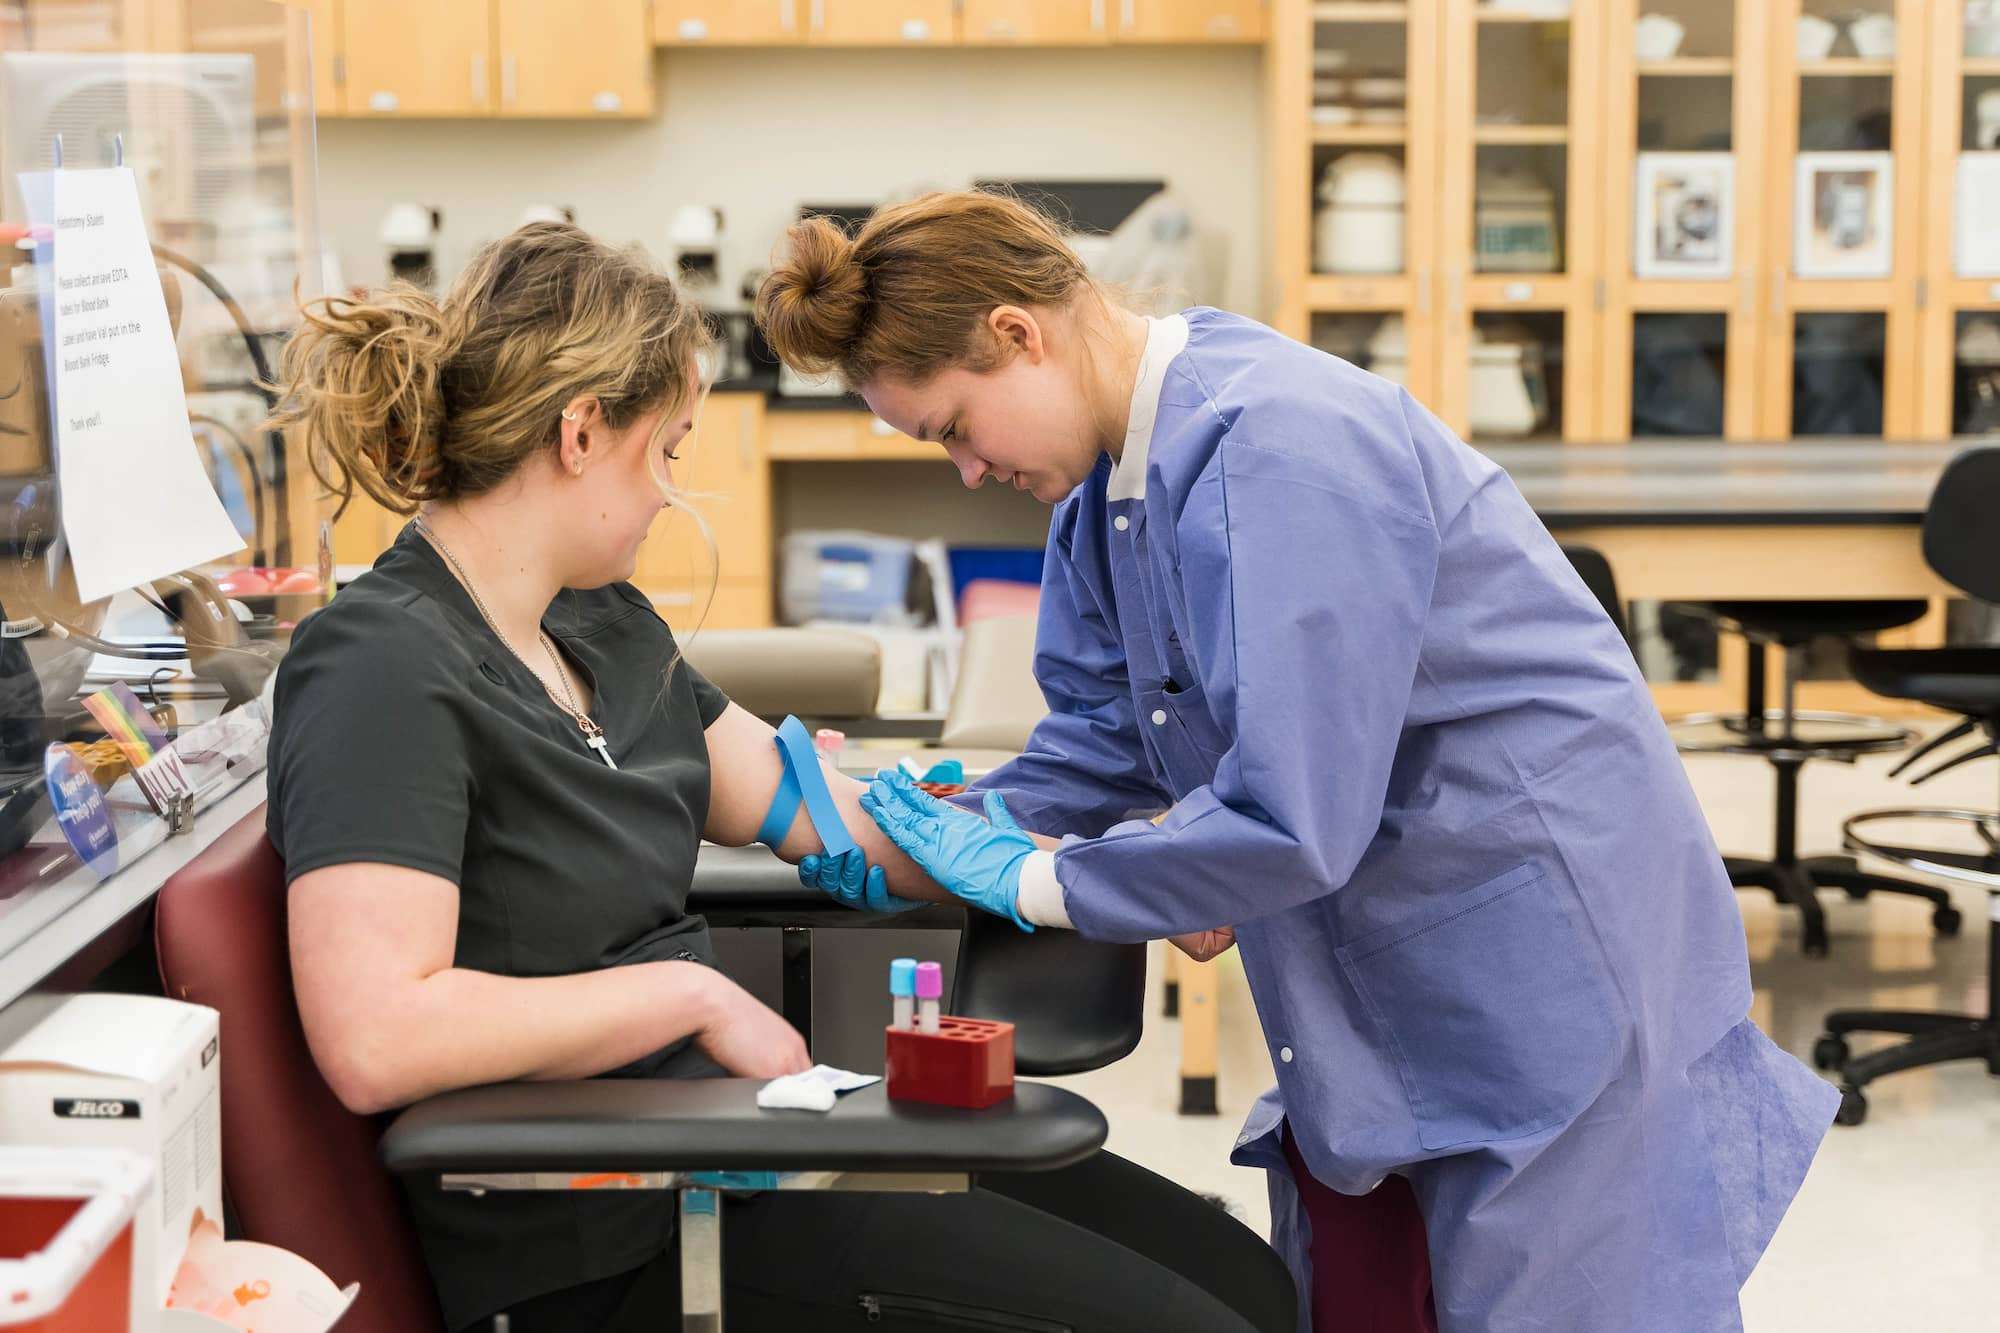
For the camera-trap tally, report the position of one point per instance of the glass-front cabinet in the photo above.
(1845, 210)
(1365, 246)
(1649, 219)
(1518, 243)
(1959, 394)
(1685, 101)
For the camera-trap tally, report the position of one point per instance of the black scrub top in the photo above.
(405, 732)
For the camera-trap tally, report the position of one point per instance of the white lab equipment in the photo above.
(1363, 198)
(1161, 259)
(1502, 399)
(1658, 36)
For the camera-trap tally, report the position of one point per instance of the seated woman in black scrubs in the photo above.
(489, 776)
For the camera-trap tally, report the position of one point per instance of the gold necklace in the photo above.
(593, 735)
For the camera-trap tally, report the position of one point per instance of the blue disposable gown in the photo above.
(1404, 752)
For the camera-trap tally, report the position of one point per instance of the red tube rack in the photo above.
(967, 1062)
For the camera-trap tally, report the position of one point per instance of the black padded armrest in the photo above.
(750, 886)
(715, 1124)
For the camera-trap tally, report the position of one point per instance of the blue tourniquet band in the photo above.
(803, 780)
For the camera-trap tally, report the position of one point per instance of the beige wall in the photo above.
(757, 132)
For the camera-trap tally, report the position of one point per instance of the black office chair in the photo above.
(1959, 542)
(1788, 737)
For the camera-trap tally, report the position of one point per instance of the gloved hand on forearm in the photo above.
(978, 860)
(849, 879)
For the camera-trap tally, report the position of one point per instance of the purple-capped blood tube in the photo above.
(930, 992)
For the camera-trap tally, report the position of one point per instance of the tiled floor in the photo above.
(1898, 1226)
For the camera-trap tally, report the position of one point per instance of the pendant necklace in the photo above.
(593, 735)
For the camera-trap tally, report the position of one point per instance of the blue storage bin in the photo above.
(1014, 564)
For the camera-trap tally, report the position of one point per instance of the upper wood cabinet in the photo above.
(1190, 20)
(881, 22)
(580, 58)
(430, 59)
(1036, 22)
(727, 22)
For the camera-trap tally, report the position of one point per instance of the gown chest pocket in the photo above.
(1495, 1007)
(1182, 739)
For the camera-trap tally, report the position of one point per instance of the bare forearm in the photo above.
(458, 1028)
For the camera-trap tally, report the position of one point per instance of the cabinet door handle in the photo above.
(1128, 13)
(1097, 15)
(819, 15)
(788, 15)
(510, 78)
(478, 77)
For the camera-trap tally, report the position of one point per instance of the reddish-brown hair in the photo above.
(910, 292)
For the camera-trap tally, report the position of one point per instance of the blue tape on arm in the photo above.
(802, 762)
(803, 781)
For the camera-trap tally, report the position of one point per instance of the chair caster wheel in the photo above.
(1830, 1052)
(1946, 921)
(1853, 1106)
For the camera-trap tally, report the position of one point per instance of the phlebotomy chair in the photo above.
(1960, 544)
(304, 1173)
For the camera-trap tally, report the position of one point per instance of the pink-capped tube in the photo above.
(930, 995)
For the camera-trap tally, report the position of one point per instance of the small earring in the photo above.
(568, 415)
(577, 469)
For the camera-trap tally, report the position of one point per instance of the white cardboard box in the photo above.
(132, 1072)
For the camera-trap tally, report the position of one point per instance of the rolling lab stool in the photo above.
(1788, 737)
(1960, 545)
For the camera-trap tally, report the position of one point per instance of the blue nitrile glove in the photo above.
(848, 878)
(977, 859)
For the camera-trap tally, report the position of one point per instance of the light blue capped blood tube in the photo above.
(903, 993)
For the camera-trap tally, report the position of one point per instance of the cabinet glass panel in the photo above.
(1679, 368)
(1833, 31)
(1846, 113)
(1670, 32)
(1376, 342)
(1360, 127)
(1515, 384)
(1838, 368)
(1685, 114)
(1520, 208)
(1975, 394)
(69, 25)
(1521, 126)
(1982, 31)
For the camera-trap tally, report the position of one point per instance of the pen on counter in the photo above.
(930, 991)
(903, 993)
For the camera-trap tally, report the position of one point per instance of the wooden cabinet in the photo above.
(727, 22)
(430, 59)
(580, 58)
(1844, 210)
(1519, 215)
(329, 57)
(1036, 22)
(723, 474)
(881, 22)
(1191, 20)
(1363, 284)
(1958, 287)
(1682, 314)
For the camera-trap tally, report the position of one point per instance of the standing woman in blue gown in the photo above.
(1406, 764)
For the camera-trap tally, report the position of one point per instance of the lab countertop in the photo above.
(1714, 482)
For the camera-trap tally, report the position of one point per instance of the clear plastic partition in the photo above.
(157, 542)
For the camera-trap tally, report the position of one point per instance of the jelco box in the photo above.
(133, 1072)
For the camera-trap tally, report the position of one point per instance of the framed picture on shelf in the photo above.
(1979, 215)
(1686, 215)
(1844, 219)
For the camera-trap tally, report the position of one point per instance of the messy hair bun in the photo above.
(909, 294)
(413, 399)
(364, 376)
(814, 305)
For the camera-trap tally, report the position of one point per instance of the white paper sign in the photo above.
(136, 503)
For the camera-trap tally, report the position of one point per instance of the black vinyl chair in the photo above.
(1959, 542)
(1788, 737)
